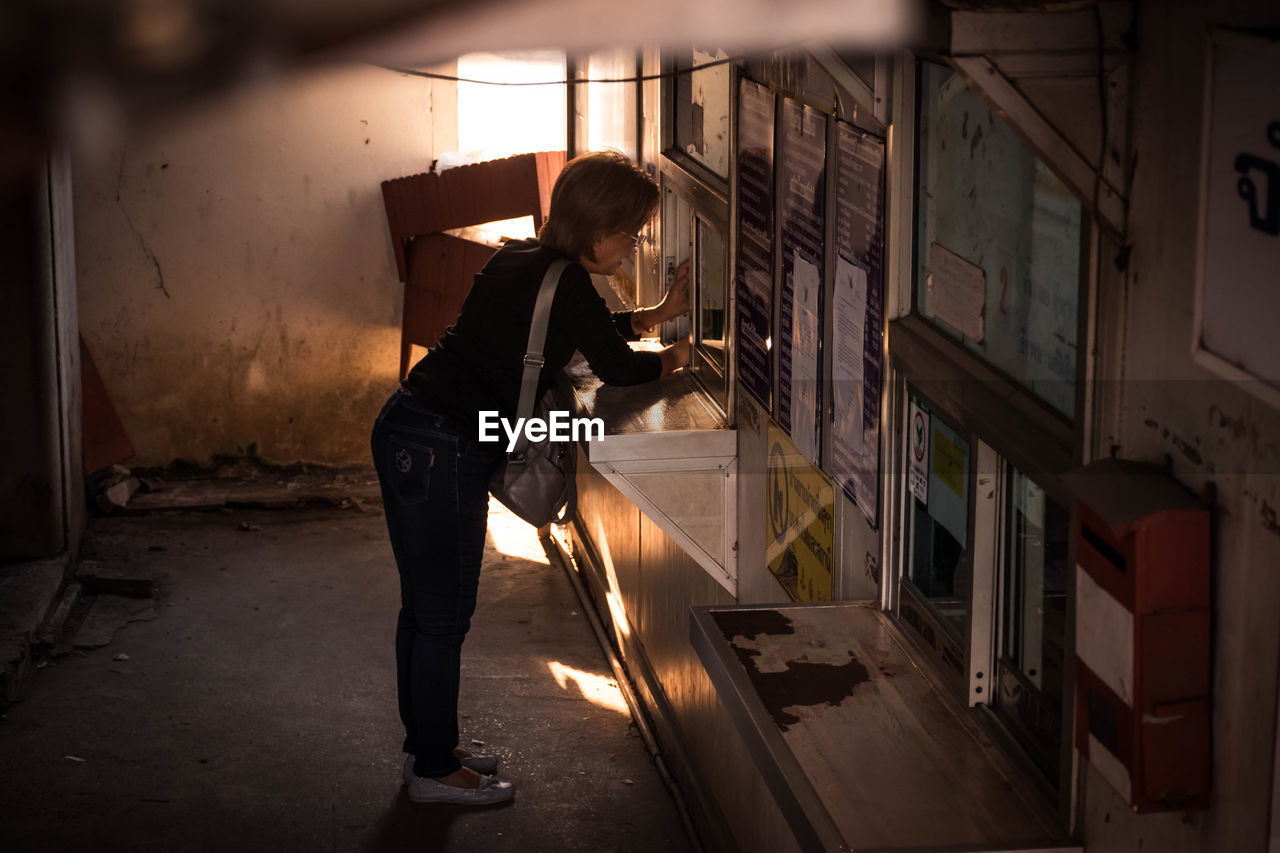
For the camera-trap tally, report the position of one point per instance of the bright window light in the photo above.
(498, 121)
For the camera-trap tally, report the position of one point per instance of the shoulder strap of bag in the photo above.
(533, 360)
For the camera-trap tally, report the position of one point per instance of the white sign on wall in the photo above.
(957, 291)
(918, 452)
(1237, 310)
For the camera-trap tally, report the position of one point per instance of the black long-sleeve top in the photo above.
(478, 362)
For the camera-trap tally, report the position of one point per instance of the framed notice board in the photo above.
(754, 282)
(802, 172)
(857, 320)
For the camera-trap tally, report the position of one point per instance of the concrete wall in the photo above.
(1158, 402)
(238, 290)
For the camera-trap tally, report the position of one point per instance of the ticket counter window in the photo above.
(700, 108)
(998, 241)
(996, 280)
(693, 230)
(939, 566)
(1033, 619)
(677, 247)
(712, 297)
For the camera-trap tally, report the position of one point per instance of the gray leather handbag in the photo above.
(537, 480)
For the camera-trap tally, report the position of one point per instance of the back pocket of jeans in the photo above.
(409, 467)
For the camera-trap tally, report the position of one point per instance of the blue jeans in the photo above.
(436, 499)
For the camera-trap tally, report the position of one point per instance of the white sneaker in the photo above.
(490, 790)
(485, 765)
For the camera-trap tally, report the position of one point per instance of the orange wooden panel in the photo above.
(432, 202)
(437, 269)
(441, 269)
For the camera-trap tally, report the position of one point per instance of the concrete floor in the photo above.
(256, 711)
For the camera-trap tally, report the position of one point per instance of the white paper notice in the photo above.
(957, 291)
(849, 316)
(804, 358)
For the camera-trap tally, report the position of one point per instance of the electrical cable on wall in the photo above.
(666, 75)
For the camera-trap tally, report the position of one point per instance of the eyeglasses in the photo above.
(636, 239)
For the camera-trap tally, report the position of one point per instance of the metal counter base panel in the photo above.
(855, 744)
(667, 448)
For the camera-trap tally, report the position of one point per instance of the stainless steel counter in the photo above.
(673, 404)
(857, 746)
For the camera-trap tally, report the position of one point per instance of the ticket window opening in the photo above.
(1012, 659)
(1031, 662)
(936, 586)
(939, 565)
(711, 298)
(677, 248)
(690, 237)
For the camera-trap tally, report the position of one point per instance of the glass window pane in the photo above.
(1034, 605)
(701, 109)
(711, 283)
(998, 241)
(677, 247)
(938, 563)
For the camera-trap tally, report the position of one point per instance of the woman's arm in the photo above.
(603, 344)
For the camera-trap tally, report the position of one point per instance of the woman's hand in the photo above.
(675, 303)
(676, 356)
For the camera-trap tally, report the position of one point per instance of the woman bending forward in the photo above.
(434, 471)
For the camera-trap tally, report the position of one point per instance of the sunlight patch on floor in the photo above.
(596, 689)
(513, 537)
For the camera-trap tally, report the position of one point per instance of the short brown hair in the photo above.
(597, 194)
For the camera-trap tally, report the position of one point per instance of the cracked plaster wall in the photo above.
(237, 285)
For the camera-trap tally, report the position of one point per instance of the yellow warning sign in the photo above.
(801, 510)
(948, 463)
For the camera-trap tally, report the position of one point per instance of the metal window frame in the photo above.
(988, 484)
(710, 197)
(1096, 191)
(1005, 422)
(991, 404)
(713, 207)
(965, 685)
(717, 184)
(1060, 794)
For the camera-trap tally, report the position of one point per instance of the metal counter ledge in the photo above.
(672, 404)
(668, 449)
(858, 749)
